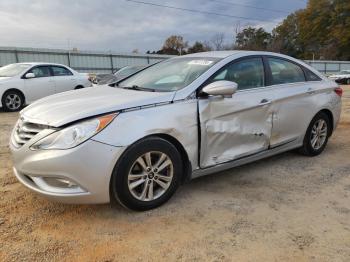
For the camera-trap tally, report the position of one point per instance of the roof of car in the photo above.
(39, 63)
(224, 54)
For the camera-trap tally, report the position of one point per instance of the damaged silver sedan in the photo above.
(135, 141)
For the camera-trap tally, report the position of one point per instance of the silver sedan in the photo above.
(135, 141)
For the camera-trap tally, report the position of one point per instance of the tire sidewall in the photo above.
(119, 181)
(307, 139)
(3, 100)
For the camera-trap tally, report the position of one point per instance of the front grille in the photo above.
(25, 131)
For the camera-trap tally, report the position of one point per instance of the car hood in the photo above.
(63, 108)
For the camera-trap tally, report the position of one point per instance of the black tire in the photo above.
(17, 98)
(119, 187)
(307, 148)
(347, 81)
(78, 87)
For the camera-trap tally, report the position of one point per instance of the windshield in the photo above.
(13, 70)
(170, 75)
(345, 72)
(126, 71)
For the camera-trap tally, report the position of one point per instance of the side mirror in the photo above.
(220, 88)
(29, 75)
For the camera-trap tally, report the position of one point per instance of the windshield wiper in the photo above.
(135, 87)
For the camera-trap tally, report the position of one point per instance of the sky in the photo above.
(122, 26)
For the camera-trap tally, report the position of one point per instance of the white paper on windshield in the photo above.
(200, 62)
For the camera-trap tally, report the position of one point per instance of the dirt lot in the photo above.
(285, 208)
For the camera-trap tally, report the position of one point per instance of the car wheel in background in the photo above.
(78, 87)
(147, 174)
(12, 101)
(316, 136)
(348, 81)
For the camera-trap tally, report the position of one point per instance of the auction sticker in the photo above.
(200, 62)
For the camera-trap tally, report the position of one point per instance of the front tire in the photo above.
(12, 101)
(316, 136)
(147, 174)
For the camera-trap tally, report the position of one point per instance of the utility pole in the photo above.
(69, 58)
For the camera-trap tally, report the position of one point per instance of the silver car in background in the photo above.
(137, 140)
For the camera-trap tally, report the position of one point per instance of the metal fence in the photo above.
(103, 62)
(329, 67)
(82, 61)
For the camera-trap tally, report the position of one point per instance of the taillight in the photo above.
(339, 91)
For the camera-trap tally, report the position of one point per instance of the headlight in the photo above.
(74, 135)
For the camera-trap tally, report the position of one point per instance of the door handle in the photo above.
(265, 102)
(310, 91)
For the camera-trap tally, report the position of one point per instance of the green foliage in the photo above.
(253, 39)
(198, 47)
(322, 30)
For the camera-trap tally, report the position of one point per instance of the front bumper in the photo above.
(87, 167)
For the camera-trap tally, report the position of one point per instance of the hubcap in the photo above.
(318, 134)
(150, 176)
(13, 101)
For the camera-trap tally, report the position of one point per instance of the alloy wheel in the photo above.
(13, 101)
(319, 134)
(150, 176)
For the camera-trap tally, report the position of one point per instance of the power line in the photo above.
(250, 6)
(198, 11)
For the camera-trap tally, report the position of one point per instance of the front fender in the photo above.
(178, 120)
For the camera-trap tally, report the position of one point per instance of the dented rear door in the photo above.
(232, 128)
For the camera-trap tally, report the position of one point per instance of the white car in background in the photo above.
(23, 83)
(343, 77)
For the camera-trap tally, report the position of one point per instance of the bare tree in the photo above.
(207, 46)
(237, 28)
(218, 41)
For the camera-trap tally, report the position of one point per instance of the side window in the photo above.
(60, 71)
(284, 72)
(248, 73)
(310, 76)
(40, 71)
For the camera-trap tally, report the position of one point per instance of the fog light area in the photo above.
(57, 185)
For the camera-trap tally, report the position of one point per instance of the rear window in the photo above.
(284, 72)
(60, 71)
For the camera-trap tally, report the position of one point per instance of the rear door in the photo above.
(293, 106)
(64, 79)
(41, 85)
(237, 126)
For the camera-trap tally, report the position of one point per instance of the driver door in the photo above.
(237, 126)
(41, 85)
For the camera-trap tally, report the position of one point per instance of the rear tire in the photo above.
(78, 87)
(12, 101)
(147, 174)
(316, 136)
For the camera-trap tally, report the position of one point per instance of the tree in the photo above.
(174, 45)
(321, 30)
(198, 47)
(218, 41)
(252, 39)
(285, 37)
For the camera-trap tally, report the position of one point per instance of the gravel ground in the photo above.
(284, 208)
